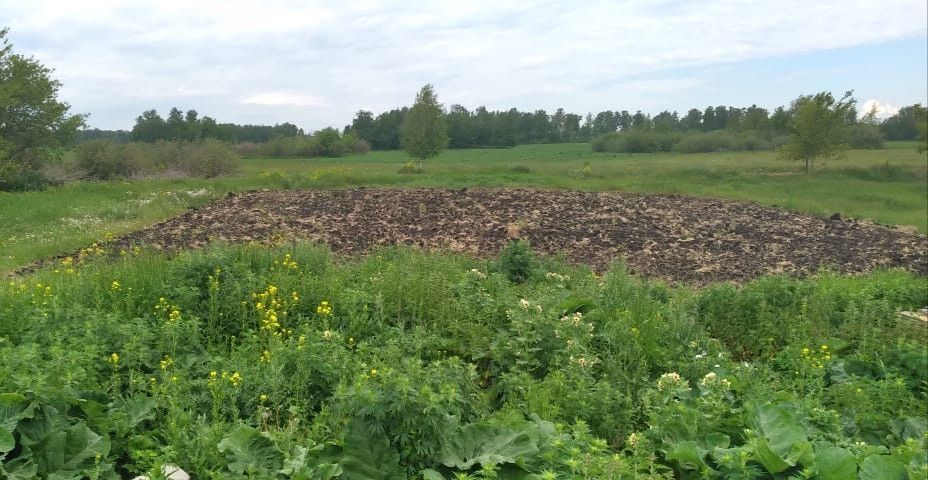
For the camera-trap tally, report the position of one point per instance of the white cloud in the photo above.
(242, 56)
(883, 110)
(284, 99)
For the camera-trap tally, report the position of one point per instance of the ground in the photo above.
(672, 237)
(887, 186)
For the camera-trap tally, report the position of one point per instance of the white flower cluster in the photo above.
(712, 380)
(669, 381)
(557, 277)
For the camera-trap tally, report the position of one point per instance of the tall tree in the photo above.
(424, 131)
(32, 119)
(818, 129)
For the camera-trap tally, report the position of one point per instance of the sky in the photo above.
(316, 63)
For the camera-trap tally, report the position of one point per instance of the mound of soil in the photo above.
(672, 237)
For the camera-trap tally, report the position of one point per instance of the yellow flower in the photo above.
(115, 286)
(235, 379)
(265, 356)
(166, 362)
(373, 372)
(113, 358)
(324, 308)
(262, 398)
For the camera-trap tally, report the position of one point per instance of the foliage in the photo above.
(865, 136)
(150, 127)
(324, 143)
(818, 130)
(405, 364)
(33, 122)
(907, 124)
(105, 160)
(424, 132)
(516, 261)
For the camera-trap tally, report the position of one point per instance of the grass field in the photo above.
(888, 186)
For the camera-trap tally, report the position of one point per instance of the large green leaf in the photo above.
(302, 464)
(429, 474)
(369, 456)
(63, 451)
(82, 448)
(13, 408)
(7, 442)
(249, 451)
(688, 455)
(129, 413)
(835, 463)
(782, 440)
(882, 467)
(19, 469)
(484, 444)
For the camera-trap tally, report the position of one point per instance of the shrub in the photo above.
(636, 141)
(208, 159)
(105, 160)
(360, 147)
(865, 136)
(245, 148)
(18, 180)
(410, 167)
(324, 143)
(516, 261)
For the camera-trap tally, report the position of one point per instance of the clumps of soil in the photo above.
(672, 237)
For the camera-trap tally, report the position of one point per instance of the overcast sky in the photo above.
(317, 63)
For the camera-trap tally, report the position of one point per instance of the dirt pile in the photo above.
(673, 237)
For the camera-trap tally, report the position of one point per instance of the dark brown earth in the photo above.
(671, 237)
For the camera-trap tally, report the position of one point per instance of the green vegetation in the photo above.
(424, 132)
(34, 124)
(324, 143)
(819, 129)
(257, 362)
(106, 160)
(888, 186)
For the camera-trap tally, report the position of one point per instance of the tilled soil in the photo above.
(671, 237)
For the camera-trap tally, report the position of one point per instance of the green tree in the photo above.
(33, 123)
(425, 131)
(818, 129)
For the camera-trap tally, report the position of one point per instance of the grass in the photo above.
(888, 186)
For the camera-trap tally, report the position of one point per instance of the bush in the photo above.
(360, 147)
(516, 261)
(21, 180)
(245, 148)
(324, 143)
(105, 160)
(863, 136)
(636, 141)
(207, 159)
(410, 167)
(650, 141)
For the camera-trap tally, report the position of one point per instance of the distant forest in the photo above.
(485, 128)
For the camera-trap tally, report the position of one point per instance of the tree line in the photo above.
(481, 127)
(506, 128)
